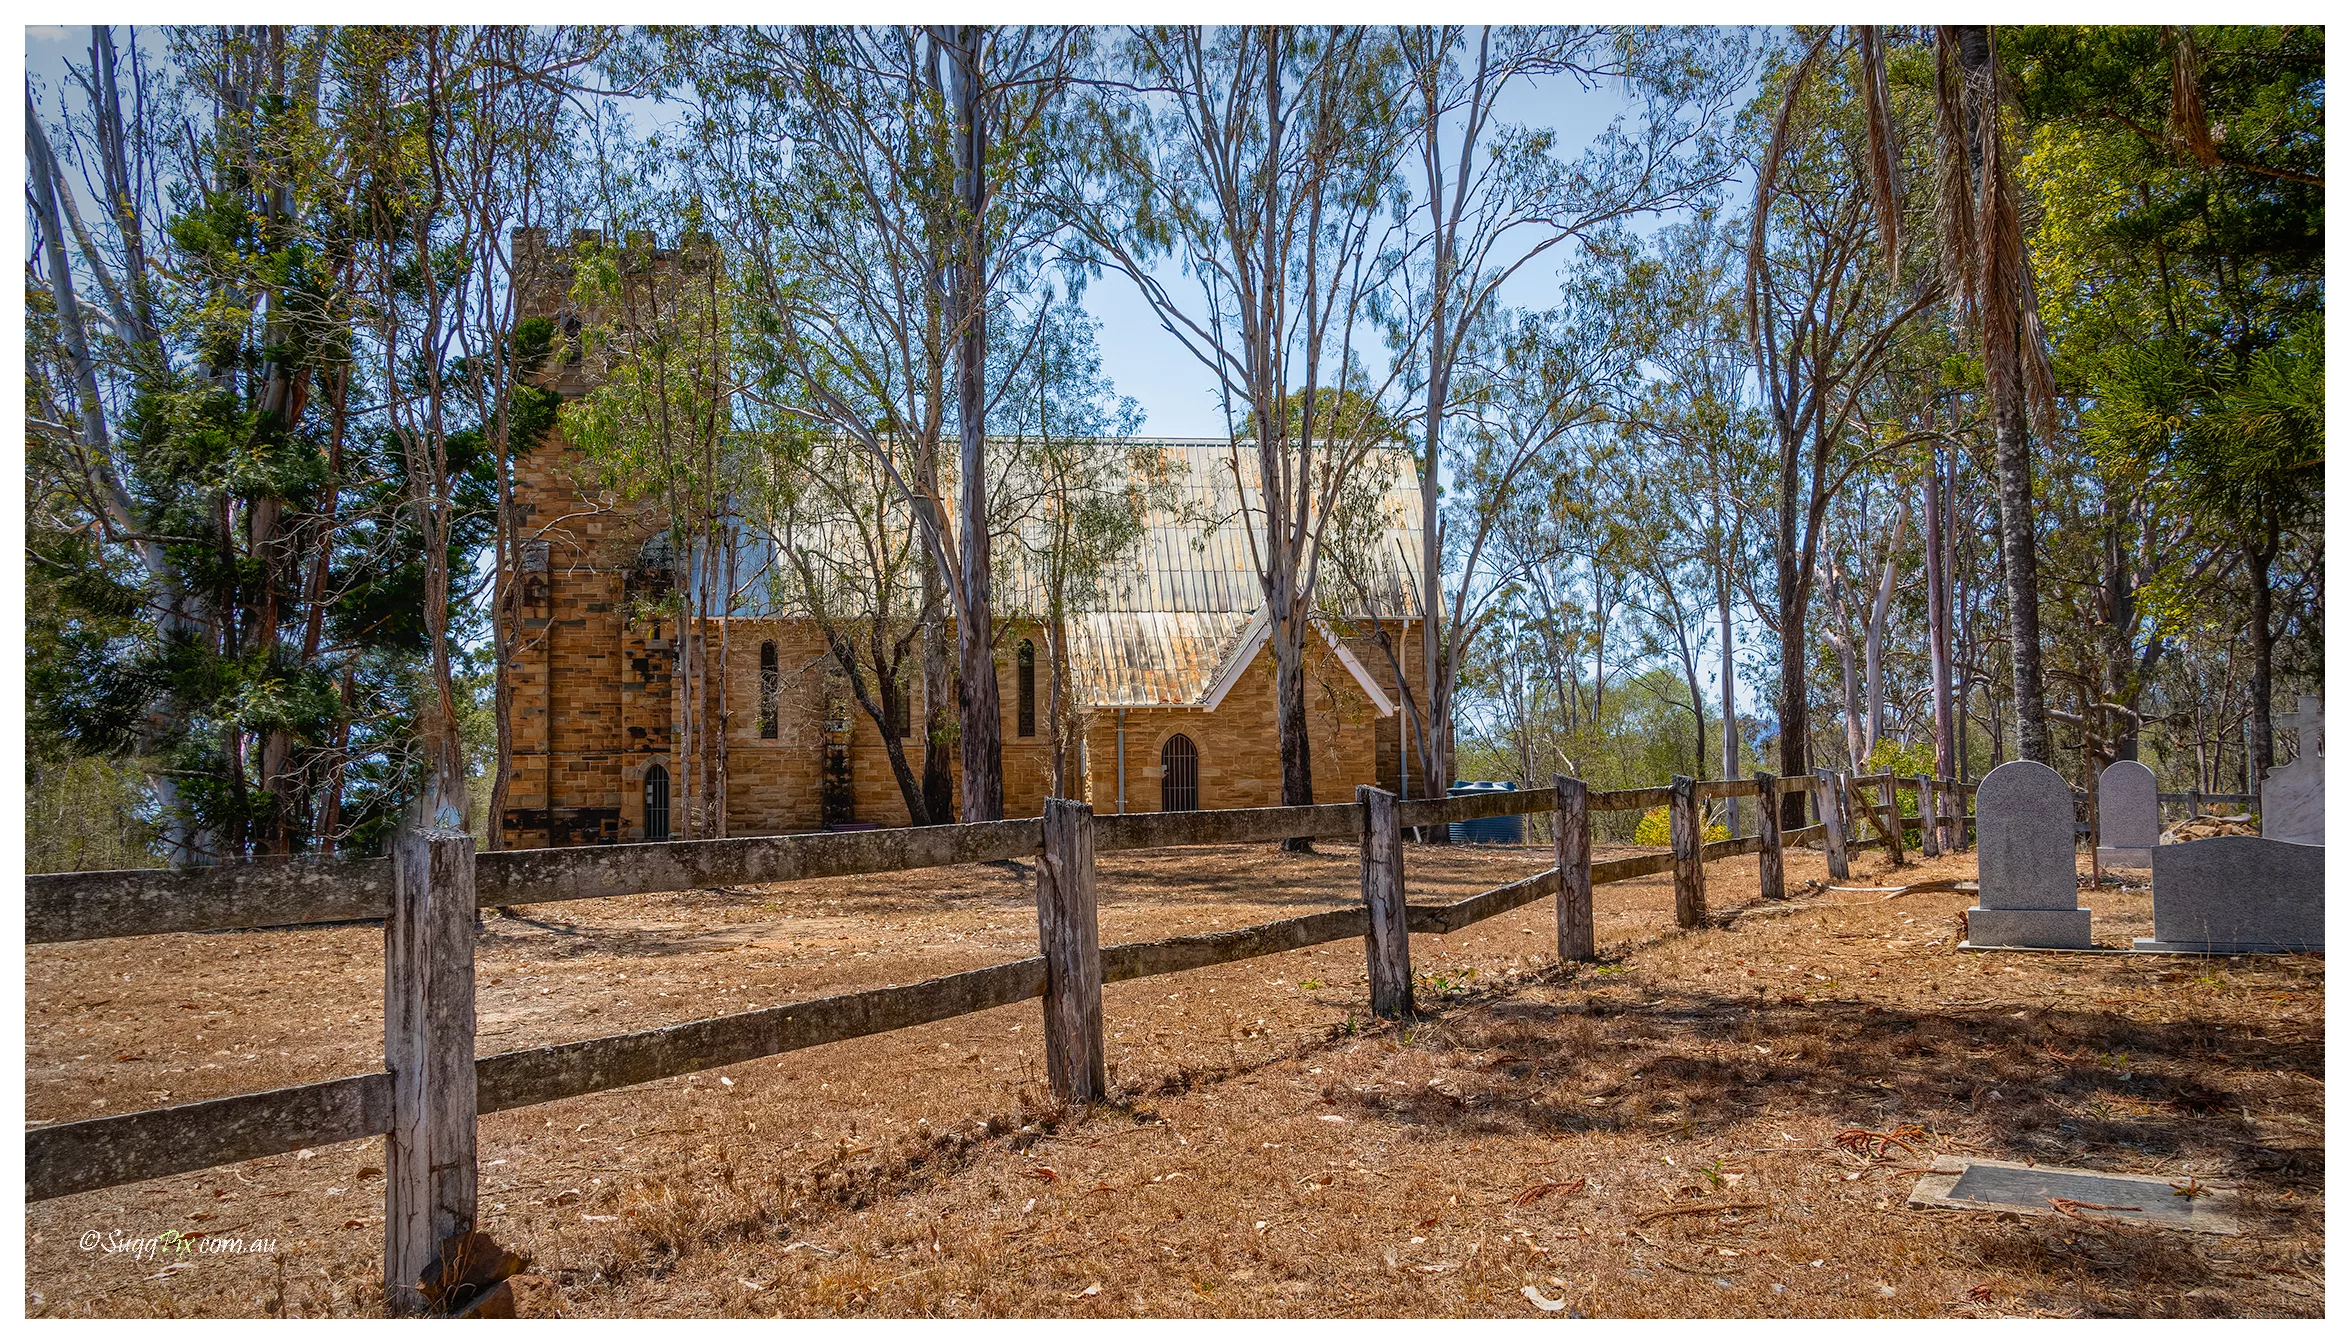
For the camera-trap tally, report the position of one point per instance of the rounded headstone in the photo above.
(2127, 816)
(2024, 839)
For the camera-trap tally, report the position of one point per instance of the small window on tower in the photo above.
(770, 689)
(1027, 689)
(573, 350)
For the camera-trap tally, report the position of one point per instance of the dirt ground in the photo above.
(1656, 1135)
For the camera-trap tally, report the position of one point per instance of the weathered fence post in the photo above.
(1387, 943)
(1688, 825)
(1890, 795)
(1068, 932)
(2195, 802)
(430, 1180)
(1774, 855)
(1578, 939)
(1929, 843)
(1828, 787)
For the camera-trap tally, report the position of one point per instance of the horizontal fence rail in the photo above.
(144, 1145)
(1232, 826)
(74, 907)
(85, 1155)
(526, 876)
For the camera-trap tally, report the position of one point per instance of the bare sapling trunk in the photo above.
(1880, 614)
(1938, 625)
(1729, 694)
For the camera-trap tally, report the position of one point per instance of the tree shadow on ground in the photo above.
(2046, 1085)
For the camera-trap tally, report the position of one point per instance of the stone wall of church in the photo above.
(1239, 742)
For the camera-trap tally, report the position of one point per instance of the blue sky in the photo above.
(1178, 393)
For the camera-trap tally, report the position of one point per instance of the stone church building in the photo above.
(1172, 673)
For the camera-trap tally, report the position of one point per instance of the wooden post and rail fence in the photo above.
(429, 893)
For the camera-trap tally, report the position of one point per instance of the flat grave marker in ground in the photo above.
(2024, 844)
(2016, 1187)
(2238, 893)
(2129, 821)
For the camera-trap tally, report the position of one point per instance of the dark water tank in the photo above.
(1510, 830)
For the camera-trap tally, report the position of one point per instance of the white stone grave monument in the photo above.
(2128, 820)
(2293, 795)
(2024, 846)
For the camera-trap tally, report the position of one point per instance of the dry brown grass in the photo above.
(1271, 1152)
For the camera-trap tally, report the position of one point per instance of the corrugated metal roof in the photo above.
(1164, 630)
(1198, 551)
(1145, 659)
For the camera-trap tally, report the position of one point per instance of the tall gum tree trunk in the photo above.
(938, 677)
(938, 692)
(979, 696)
(2018, 539)
(2011, 439)
(1297, 760)
(1794, 695)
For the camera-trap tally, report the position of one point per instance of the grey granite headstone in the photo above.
(2024, 848)
(2293, 795)
(2128, 820)
(2238, 893)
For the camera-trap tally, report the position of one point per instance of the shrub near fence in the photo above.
(428, 893)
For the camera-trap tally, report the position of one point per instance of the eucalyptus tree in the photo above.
(2178, 178)
(1860, 596)
(1823, 316)
(1693, 421)
(1263, 162)
(847, 559)
(439, 130)
(1492, 198)
(1528, 387)
(84, 474)
(175, 428)
(256, 445)
(881, 185)
(1985, 265)
(1079, 490)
